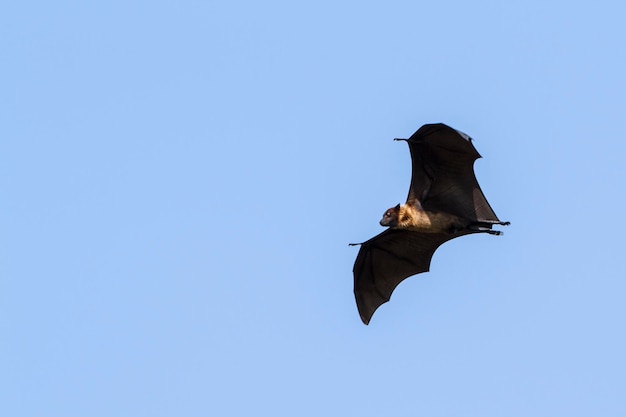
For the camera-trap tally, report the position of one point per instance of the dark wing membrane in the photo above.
(443, 176)
(387, 259)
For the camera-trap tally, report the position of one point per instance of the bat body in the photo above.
(444, 202)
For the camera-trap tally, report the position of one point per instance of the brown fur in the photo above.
(411, 218)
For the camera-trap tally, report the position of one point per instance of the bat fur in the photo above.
(409, 217)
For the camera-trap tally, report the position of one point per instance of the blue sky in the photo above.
(181, 180)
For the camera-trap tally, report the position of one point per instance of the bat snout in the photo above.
(386, 222)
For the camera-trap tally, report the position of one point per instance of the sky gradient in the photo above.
(180, 182)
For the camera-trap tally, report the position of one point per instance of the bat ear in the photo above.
(397, 208)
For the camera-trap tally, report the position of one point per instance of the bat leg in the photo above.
(485, 230)
(484, 227)
(491, 222)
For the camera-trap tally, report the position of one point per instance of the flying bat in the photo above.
(444, 202)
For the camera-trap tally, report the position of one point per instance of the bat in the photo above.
(444, 202)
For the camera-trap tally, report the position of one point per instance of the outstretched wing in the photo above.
(443, 176)
(387, 259)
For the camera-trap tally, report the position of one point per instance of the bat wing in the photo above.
(387, 259)
(443, 176)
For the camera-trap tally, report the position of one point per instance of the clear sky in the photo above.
(180, 182)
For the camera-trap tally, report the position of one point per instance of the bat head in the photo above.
(390, 218)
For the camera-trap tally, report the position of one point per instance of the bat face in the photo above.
(444, 202)
(390, 217)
